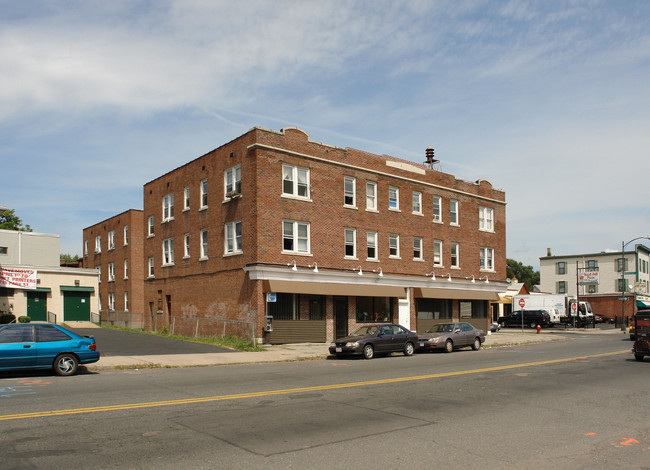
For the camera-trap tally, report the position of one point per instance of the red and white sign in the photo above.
(574, 307)
(16, 278)
(588, 277)
(522, 303)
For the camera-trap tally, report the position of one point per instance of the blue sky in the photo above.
(547, 100)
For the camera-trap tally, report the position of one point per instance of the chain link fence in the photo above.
(206, 327)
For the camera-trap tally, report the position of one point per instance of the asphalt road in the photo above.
(125, 343)
(570, 404)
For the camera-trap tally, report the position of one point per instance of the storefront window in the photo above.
(286, 307)
(317, 307)
(433, 309)
(473, 309)
(374, 310)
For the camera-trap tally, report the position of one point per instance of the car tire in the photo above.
(477, 344)
(533, 324)
(65, 364)
(409, 349)
(638, 357)
(502, 324)
(368, 351)
(449, 346)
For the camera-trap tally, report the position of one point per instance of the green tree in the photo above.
(68, 258)
(525, 274)
(10, 221)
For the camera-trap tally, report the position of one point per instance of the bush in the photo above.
(24, 319)
(7, 318)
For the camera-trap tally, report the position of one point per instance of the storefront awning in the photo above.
(642, 304)
(77, 289)
(331, 288)
(432, 293)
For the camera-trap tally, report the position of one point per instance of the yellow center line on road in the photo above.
(187, 401)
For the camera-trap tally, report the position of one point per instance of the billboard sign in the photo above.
(16, 278)
(588, 277)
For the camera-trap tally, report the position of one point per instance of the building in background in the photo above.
(32, 282)
(615, 276)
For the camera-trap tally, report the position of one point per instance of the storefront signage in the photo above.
(588, 277)
(16, 278)
(271, 297)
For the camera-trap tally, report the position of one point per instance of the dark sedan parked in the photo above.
(376, 339)
(45, 346)
(450, 336)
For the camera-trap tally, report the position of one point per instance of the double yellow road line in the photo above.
(188, 401)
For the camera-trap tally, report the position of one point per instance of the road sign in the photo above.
(522, 303)
(574, 307)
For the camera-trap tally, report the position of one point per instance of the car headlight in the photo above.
(352, 344)
(434, 340)
(332, 345)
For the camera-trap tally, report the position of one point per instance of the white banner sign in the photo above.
(588, 277)
(16, 278)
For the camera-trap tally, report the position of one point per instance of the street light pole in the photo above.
(623, 289)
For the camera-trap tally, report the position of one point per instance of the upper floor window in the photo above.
(150, 226)
(393, 198)
(111, 272)
(204, 244)
(85, 247)
(455, 255)
(111, 240)
(186, 245)
(393, 245)
(437, 253)
(126, 301)
(98, 244)
(621, 264)
(186, 198)
(150, 271)
(204, 193)
(561, 287)
(371, 242)
(99, 273)
(417, 202)
(168, 251)
(560, 267)
(350, 243)
(126, 269)
(168, 207)
(592, 264)
(453, 212)
(233, 238)
(486, 219)
(417, 248)
(487, 259)
(437, 209)
(295, 236)
(295, 181)
(126, 235)
(232, 181)
(350, 191)
(371, 196)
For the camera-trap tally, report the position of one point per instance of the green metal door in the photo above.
(76, 306)
(37, 305)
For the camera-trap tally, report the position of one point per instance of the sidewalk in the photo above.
(313, 351)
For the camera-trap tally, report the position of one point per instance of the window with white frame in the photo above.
(168, 251)
(186, 198)
(111, 301)
(371, 196)
(371, 243)
(111, 272)
(150, 272)
(126, 268)
(350, 191)
(486, 219)
(98, 244)
(350, 243)
(437, 253)
(111, 240)
(204, 193)
(295, 181)
(126, 301)
(417, 202)
(85, 247)
(233, 238)
(168, 207)
(437, 209)
(487, 259)
(99, 274)
(232, 181)
(204, 244)
(150, 226)
(295, 236)
(453, 212)
(393, 245)
(126, 235)
(455, 255)
(186, 245)
(393, 198)
(417, 248)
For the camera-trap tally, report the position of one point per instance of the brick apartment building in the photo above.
(114, 247)
(320, 238)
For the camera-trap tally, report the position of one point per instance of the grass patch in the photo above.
(231, 342)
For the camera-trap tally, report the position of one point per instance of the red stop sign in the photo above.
(522, 303)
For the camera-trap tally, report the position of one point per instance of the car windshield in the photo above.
(365, 331)
(442, 328)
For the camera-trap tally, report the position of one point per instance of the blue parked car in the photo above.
(45, 346)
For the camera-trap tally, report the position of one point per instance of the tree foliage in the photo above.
(525, 274)
(10, 221)
(68, 258)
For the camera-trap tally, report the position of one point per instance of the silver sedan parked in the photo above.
(450, 336)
